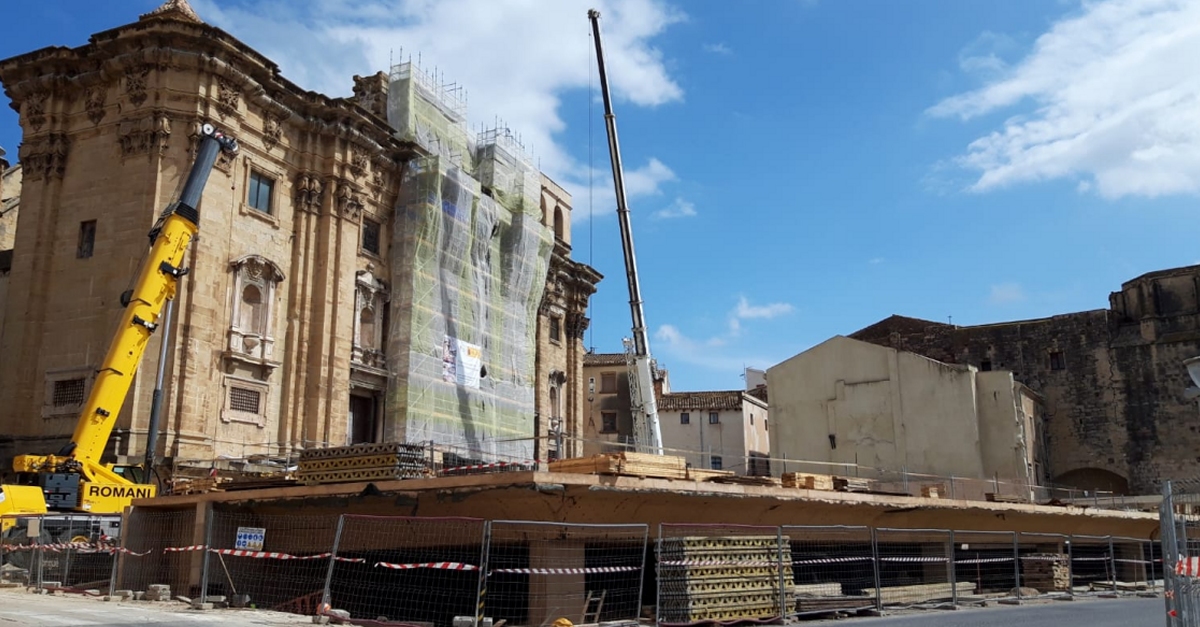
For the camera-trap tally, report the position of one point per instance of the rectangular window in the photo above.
(608, 383)
(555, 328)
(985, 365)
(714, 418)
(751, 419)
(716, 462)
(609, 422)
(766, 425)
(68, 392)
(258, 196)
(685, 418)
(241, 399)
(1057, 362)
(87, 239)
(370, 236)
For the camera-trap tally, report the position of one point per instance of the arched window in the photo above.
(558, 222)
(554, 413)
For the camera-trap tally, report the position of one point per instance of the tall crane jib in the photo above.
(75, 479)
(646, 430)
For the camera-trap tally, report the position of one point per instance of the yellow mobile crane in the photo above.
(74, 479)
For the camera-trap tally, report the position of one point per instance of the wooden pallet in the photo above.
(806, 481)
(1002, 498)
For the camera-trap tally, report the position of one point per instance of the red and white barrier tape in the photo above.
(566, 571)
(181, 549)
(433, 565)
(915, 560)
(986, 560)
(272, 555)
(832, 560)
(717, 563)
(1188, 566)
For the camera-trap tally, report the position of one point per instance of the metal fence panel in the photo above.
(1091, 564)
(412, 570)
(988, 561)
(721, 573)
(833, 568)
(1045, 562)
(160, 547)
(539, 572)
(1134, 565)
(915, 567)
(79, 552)
(270, 561)
(20, 549)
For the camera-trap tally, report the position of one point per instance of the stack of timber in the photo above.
(921, 592)
(827, 597)
(701, 474)
(747, 480)
(851, 484)
(625, 463)
(806, 481)
(363, 462)
(722, 578)
(198, 485)
(1003, 498)
(1047, 572)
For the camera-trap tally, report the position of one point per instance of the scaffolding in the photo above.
(468, 265)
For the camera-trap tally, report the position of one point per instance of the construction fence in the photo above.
(451, 572)
(1181, 552)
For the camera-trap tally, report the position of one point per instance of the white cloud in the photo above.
(876, 260)
(718, 48)
(644, 181)
(719, 352)
(1006, 294)
(745, 310)
(702, 352)
(1108, 95)
(678, 209)
(515, 58)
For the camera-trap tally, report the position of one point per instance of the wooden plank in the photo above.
(739, 480)
(1002, 498)
(921, 592)
(701, 474)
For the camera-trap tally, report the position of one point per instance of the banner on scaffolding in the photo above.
(461, 362)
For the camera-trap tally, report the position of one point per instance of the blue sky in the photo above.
(798, 168)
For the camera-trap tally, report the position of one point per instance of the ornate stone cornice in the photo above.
(148, 134)
(45, 157)
(348, 201)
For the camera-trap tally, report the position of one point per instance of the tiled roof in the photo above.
(604, 359)
(676, 401)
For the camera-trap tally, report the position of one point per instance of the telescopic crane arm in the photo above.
(156, 284)
(647, 432)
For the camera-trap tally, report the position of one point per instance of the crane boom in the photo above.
(647, 433)
(75, 478)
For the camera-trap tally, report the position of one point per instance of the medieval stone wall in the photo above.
(1112, 379)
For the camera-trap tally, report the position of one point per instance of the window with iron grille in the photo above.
(370, 236)
(87, 239)
(241, 399)
(608, 422)
(68, 392)
(685, 418)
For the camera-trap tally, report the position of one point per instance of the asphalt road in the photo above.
(1087, 613)
(20, 608)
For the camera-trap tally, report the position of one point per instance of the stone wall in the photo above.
(1112, 379)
